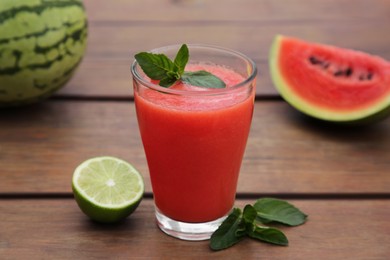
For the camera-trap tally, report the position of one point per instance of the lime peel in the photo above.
(107, 189)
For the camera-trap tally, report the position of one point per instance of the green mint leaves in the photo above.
(250, 222)
(160, 67)
(274, 210)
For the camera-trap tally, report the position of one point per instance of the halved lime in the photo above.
(107, 189)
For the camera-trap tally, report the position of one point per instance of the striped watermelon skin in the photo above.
(42, 42)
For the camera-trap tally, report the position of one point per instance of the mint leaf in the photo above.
(167, 82)
(160, 67)
(266, 234)
(230, 232)
(249, 217)
(157, 66)
(269, 235)
(269, 210)
(202, 78)
(181, 58)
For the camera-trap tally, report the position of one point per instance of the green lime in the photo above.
(107, 189)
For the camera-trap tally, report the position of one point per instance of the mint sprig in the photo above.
(160, 67)
(250, 222)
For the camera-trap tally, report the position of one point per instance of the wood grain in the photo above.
(122, 41)
(56, 229)
(236, 11)
(41, 145)
(119, 29)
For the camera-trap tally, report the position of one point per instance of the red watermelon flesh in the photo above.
(330, 82)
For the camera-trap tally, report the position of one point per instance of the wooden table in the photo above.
(339, 176)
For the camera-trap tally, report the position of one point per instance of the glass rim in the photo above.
(159, 88)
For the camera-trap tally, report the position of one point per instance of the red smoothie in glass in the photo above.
(194, 145)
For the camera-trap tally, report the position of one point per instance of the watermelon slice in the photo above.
(330, 83)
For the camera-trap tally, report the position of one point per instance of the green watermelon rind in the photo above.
(38, 60)
(373, 113)
(45, 95)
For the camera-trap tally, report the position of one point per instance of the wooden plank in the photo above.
(254, 40)
(231, 10)
(56, 229)
(41, 145)
(105, 70)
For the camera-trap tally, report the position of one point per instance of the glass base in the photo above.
(187, 231)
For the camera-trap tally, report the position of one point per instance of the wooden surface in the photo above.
(340, 176)
(57, 229)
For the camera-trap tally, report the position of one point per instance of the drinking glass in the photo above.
(194, 140)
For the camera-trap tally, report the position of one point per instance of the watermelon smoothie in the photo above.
(194, 140)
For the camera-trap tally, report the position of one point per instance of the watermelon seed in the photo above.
(325, 65)
(313, 60)
(368, 77)
(348, 72)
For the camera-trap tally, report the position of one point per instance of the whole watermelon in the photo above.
(41, 44)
